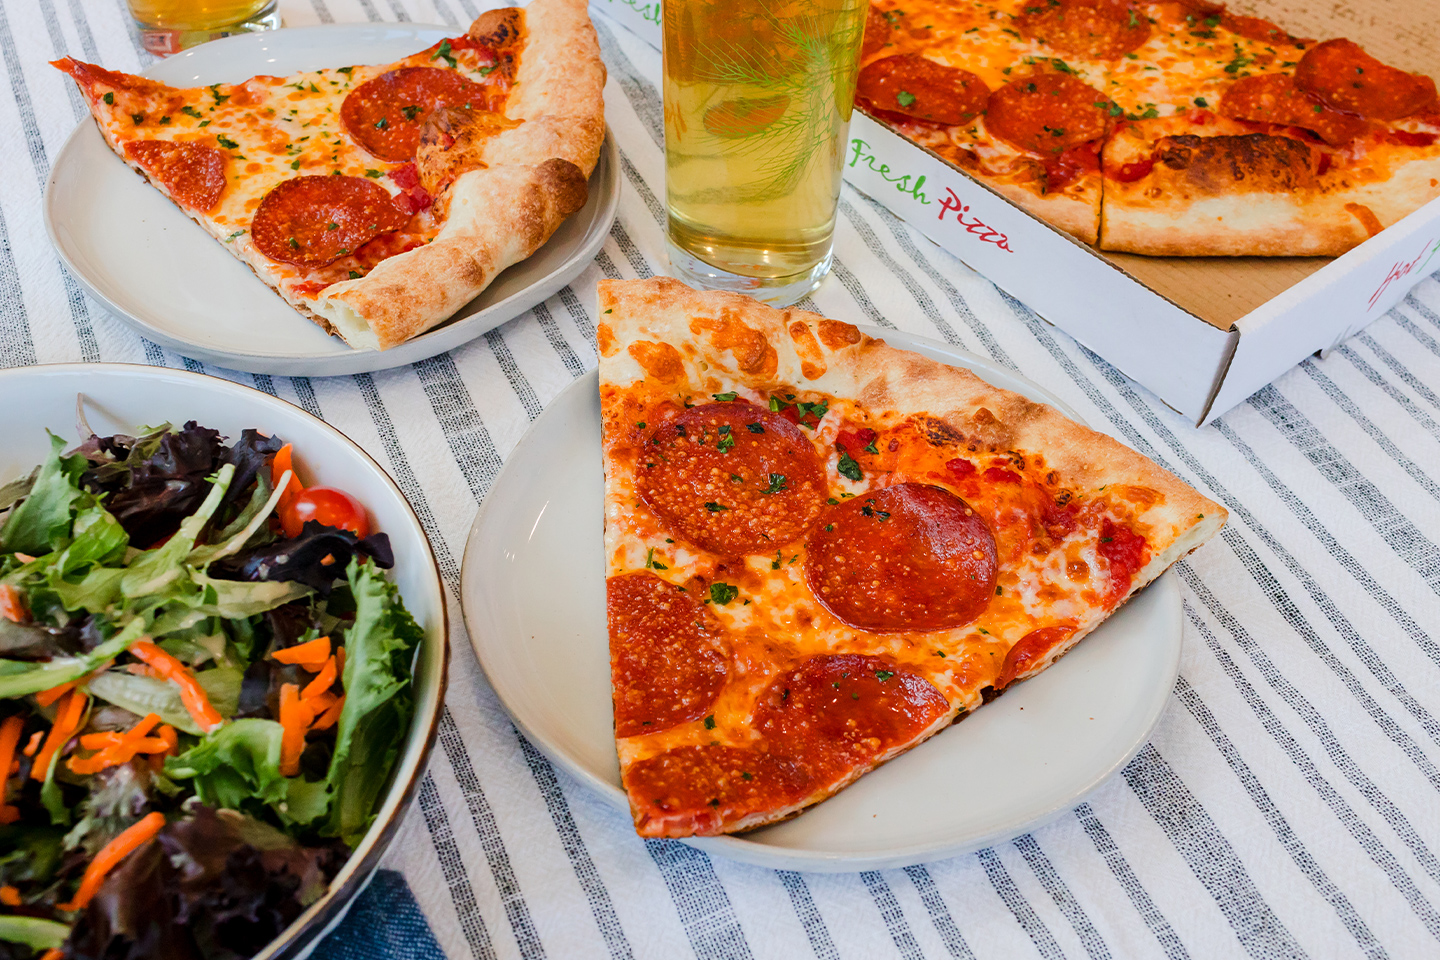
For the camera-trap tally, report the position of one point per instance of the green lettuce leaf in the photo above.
(235, 765)
(378, 704)
(142, 695)
(19, 677)
(36, 933)
(41, 522)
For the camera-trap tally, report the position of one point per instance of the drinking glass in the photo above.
(758, 95)
(169, 26)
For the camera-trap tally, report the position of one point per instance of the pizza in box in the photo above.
(1174, 128)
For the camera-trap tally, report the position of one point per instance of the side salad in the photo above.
(204, 686)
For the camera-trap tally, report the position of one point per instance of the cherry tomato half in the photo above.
(334, 508)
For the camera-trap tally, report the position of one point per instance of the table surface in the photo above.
(1288, 804)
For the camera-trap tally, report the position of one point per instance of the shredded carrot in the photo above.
(340, 661)
(34, 743)
(323, 681)
(10, 896)
(117, 748)
(10, 732)
(46, 697)
(54, 953)
(295, 719)
(67, 724)
(172, 743)
(192, 695)
(320, 702)
(134, 836)
(312, 653)
(331, 716)
(282, 462)
(12, 606)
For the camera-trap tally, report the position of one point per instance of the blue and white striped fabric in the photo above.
(1287, 806)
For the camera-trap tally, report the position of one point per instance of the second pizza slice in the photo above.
(821, 550)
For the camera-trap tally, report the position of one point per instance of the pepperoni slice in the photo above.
(1047, 113)
(1347, 78)
(384, 115)
(668, 660)
(1095, 29)
(1274, 98)
(908, 557)
(1032, 649)
(1126, 551)
(915, 86)
(731, 478)
(836, 713)
(192, 173)
(312, 221)
(700, 789)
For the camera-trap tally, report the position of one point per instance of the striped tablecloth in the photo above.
(1287, 805)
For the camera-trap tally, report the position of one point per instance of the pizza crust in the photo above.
(1229, 192)
(513, 191)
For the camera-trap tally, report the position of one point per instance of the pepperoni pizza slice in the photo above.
(378, 200)
(821, 550)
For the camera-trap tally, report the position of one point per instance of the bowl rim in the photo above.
(432, 659)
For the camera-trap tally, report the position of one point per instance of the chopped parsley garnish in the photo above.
(1064, 67)
(381, 124)
(940, 654)
(847, 467)
(219, 97)
(295, 164)
(710, 722)
(640, 424)
(727, 439)
(372, 173)
(354, 274)
(410, 112)
(777, 483)
(343, 69)
(226, 142)
(109, 99)
(883, 675)
(829, 527)
(233, 235)
(723, 593)
(870, 447)
(1201, 102)
(1240, 62)
(714, 507)
(775, 564)
(190, 111)
(725, 397)
(138, 118)
(293, 244)
(905, 98)
(206, 123)
(754, 428)
(651, 563)
(444, 54)
(745, 775)
(164, 121)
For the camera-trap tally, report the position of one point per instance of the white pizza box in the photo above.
(1202, 333)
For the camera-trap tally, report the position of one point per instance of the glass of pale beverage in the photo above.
(169, 26)
(758, 95)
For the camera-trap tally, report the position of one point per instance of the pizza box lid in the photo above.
(1202, 333)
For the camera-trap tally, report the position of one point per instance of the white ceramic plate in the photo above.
(148, 263)
(533, 592)
(121, 397)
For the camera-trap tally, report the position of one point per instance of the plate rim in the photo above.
(737, 847)
(447, 336)
(360, 865)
